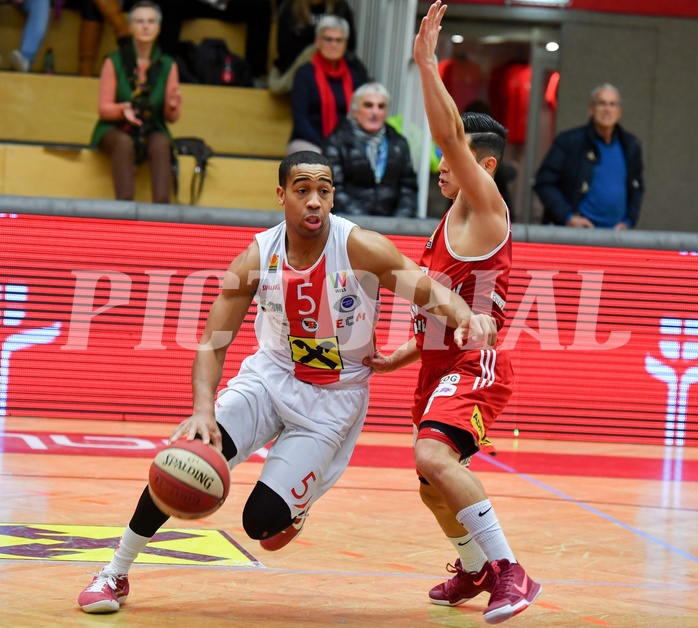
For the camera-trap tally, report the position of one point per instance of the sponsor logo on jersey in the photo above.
(339, 281)
(444, 390)
(310, 325)
(452, 378)
(271, 286)
(430, 242)
(501, 303)
(351, 319)
(347, 303)
(270, 306)
(273, 263)
(477, 423)
(319, 353)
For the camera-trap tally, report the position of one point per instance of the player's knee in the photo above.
(431, 462)
(265, 513)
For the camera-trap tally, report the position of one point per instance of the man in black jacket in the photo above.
(592, 175)
(371, 160)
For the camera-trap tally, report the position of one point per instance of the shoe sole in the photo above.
(104, 606)
(507, 612)
(458, 603)
(282, 539)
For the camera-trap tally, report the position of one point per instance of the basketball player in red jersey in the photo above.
(315, 278)
(461, 392)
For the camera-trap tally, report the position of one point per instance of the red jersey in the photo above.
(483, 282)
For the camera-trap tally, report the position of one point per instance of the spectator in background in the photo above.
(461, 76)
(323, 87)
(592, 175)
(257, 14)
(93, 13)
(295, 37)
(138, 95)
(38, 12)
(373, 173)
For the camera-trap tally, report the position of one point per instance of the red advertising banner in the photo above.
(99, 319)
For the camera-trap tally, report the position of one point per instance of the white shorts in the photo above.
(314, 428)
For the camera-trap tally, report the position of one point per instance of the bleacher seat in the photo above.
(46, 122)
(53, 171)
(233, 120)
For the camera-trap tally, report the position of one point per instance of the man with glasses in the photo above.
(592, 175)
(371, 161)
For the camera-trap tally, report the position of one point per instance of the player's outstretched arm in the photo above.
(222, 325)
(442, 112)
(478, 191)
(371, 252)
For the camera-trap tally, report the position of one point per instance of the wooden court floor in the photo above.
(610, 531)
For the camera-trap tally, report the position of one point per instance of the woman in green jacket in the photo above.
(138, 95)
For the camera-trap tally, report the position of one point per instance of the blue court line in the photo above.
(596, 511)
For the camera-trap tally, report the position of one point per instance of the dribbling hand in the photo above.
(201, 424)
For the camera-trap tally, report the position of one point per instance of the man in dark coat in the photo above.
(371, 160)
(592, 175)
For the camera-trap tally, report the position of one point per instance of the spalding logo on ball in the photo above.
(189, 479)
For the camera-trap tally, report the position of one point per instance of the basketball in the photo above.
(189, 479)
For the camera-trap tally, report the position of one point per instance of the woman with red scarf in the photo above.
(323, 87)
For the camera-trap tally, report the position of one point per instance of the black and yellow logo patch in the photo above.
(478, 424)
(319, 353)
(96, 544)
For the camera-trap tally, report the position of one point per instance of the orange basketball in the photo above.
(189, 479)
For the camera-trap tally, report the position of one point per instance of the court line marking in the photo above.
(363, 574)
(596, 511)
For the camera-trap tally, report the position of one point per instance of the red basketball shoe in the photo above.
(464, 586)
(106, 593)
(283, 538)
(512, 591)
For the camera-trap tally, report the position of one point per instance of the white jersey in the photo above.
(318, 323)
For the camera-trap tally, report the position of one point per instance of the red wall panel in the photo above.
(667, 8)
(99, 319)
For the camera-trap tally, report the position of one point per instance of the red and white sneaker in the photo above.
(106, 593)
(512, 591)
(283, 538)
(464, 586)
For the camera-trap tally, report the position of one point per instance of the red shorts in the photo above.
(468, 394)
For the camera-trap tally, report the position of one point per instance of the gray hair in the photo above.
(332, 21)
(145, 4)
(599, 88)
(371, 89)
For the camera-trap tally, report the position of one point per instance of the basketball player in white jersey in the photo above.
(315, 278)
(460, 393)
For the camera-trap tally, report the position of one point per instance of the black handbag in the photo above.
(201, 152)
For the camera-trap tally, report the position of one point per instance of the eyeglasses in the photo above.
(371, 105)
(606, 103)
(333, 40)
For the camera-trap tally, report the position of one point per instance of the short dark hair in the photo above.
(487, 136)
(301, 157)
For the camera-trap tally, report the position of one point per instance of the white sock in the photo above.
(471, 555)
(130, 545)
(484, 527)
